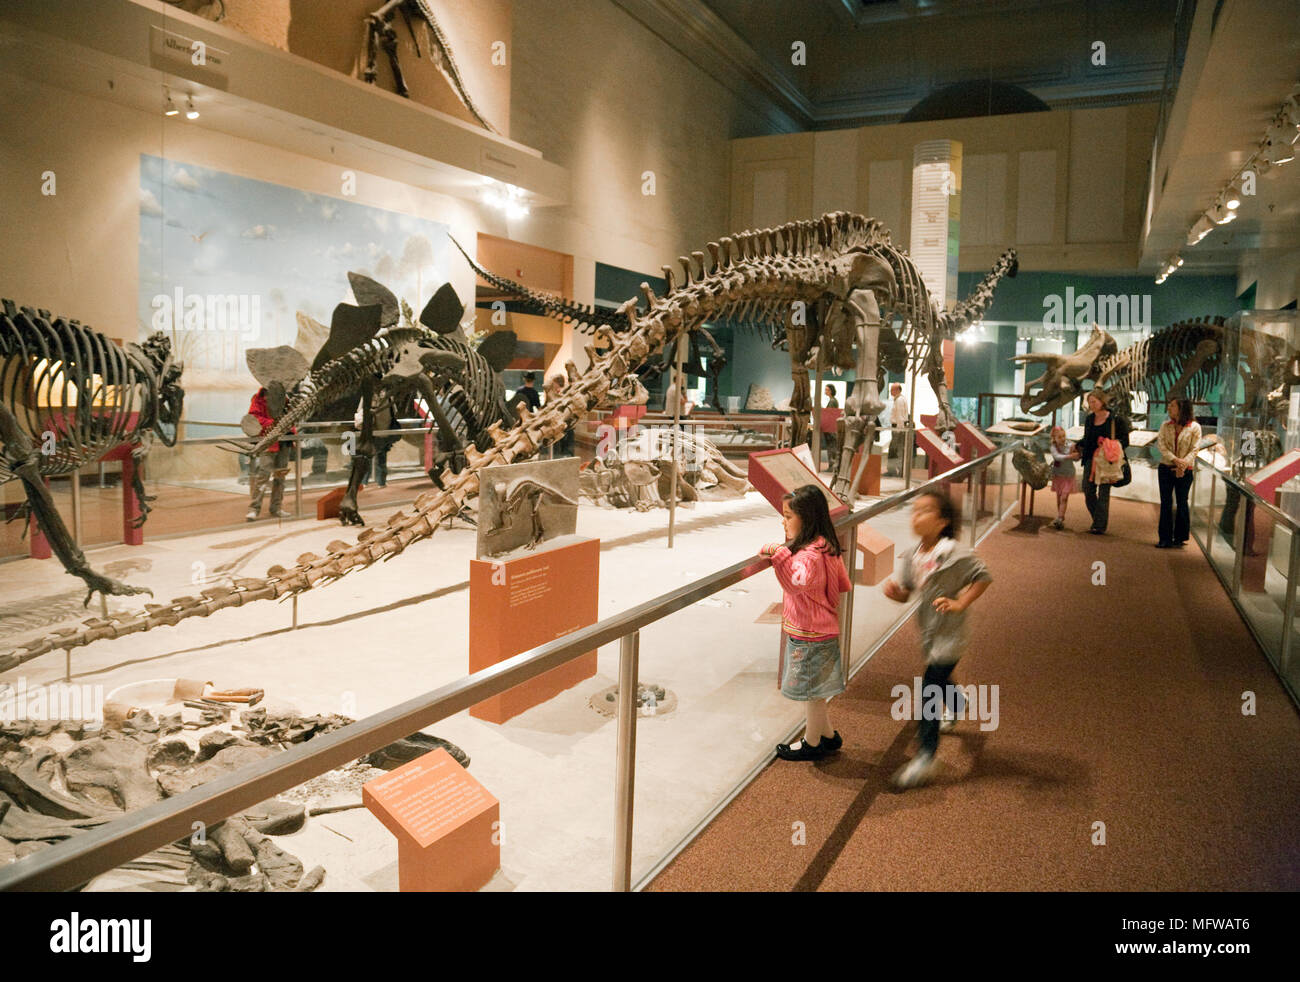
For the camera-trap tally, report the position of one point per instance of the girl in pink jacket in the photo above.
(813, 576)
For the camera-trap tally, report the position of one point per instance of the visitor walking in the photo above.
(812, 576)
(951, 578)
(272, 464)
(1062, 473)
(1099, 424)
(898, 419)
(1179, 437)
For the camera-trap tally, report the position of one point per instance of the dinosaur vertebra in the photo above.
(764, 272)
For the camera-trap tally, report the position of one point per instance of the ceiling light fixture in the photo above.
(190, 111)
(1275, 148)
(170, 108)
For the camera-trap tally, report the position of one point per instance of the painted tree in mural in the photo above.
(763, 274)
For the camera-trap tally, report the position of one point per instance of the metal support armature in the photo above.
(679, 382)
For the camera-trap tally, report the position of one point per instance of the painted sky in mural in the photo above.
(226, 263)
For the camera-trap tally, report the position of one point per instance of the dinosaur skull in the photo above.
(1062, 379)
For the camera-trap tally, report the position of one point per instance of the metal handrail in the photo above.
(1269, 508)
(75, 861)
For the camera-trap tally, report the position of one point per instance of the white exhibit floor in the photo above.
(389, 633)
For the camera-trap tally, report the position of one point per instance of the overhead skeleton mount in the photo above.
(757, 273)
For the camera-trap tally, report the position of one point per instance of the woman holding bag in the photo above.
(1101, 450)
(1179, 437)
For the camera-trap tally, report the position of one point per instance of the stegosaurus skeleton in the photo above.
(754, 274)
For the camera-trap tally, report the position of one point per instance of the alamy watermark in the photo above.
(234, 313)
(635, 442)
(964, 702)
(58, 702)
(1124, 312)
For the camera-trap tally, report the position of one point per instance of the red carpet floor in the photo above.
(1118, 704)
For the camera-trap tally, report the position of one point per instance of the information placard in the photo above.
(775, 473)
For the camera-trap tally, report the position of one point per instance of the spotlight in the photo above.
(1233, 196)
(1200, 230)
(170, 109)
(190, 111)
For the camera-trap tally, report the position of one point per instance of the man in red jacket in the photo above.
(274, 463)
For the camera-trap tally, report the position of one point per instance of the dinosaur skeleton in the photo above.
(762, 271)
(380, 31)
(847, 297)
(68, 396)
(459, 387)
(1183, 360)
(637, 472)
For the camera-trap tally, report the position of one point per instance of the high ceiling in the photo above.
(870, 61)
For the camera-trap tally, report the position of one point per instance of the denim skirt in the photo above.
(813, 670)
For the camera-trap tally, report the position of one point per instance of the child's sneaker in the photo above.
(1058, 524)
(252, 515)
(917, 771)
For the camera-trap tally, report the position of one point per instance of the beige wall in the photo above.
(1065, 188)
(590, 88)
(78, 253)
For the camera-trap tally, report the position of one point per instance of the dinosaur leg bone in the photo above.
(20, 457)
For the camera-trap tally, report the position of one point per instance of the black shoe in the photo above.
(1164, 545)
(832, 743)
(805, 752)
(1097, 531)
(1180, 543)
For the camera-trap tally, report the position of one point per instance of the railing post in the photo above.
(1239, 542)
(625, 765)
(1288, 619)
(908, 446)
(1210, 524)
(297, 475)
(1002, 480)
(75, 477)
(972, 503)
(846, 615)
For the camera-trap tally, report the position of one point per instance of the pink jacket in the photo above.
(813, 580)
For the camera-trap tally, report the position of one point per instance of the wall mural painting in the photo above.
(229, 263)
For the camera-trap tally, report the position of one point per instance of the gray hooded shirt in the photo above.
(943, 636)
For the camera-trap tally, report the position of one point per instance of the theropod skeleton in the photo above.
(767, 270)
(70, 395)
(380, 31)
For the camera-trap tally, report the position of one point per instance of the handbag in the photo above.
(1108, 463)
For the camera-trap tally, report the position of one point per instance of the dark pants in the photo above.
(928, 732)
(1175, 523)
(1097, 498)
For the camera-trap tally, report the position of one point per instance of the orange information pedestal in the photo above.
(517, 604)
(870, 482)
(327, 505)
(877, 559)
(448, 826)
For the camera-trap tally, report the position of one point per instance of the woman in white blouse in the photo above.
(1179, 436)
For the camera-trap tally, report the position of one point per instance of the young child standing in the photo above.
(1062, 473)
(812, 576)
(951, 578)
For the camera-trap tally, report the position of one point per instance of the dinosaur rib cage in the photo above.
(472, 399)
(75, 394)
(1152, 365)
